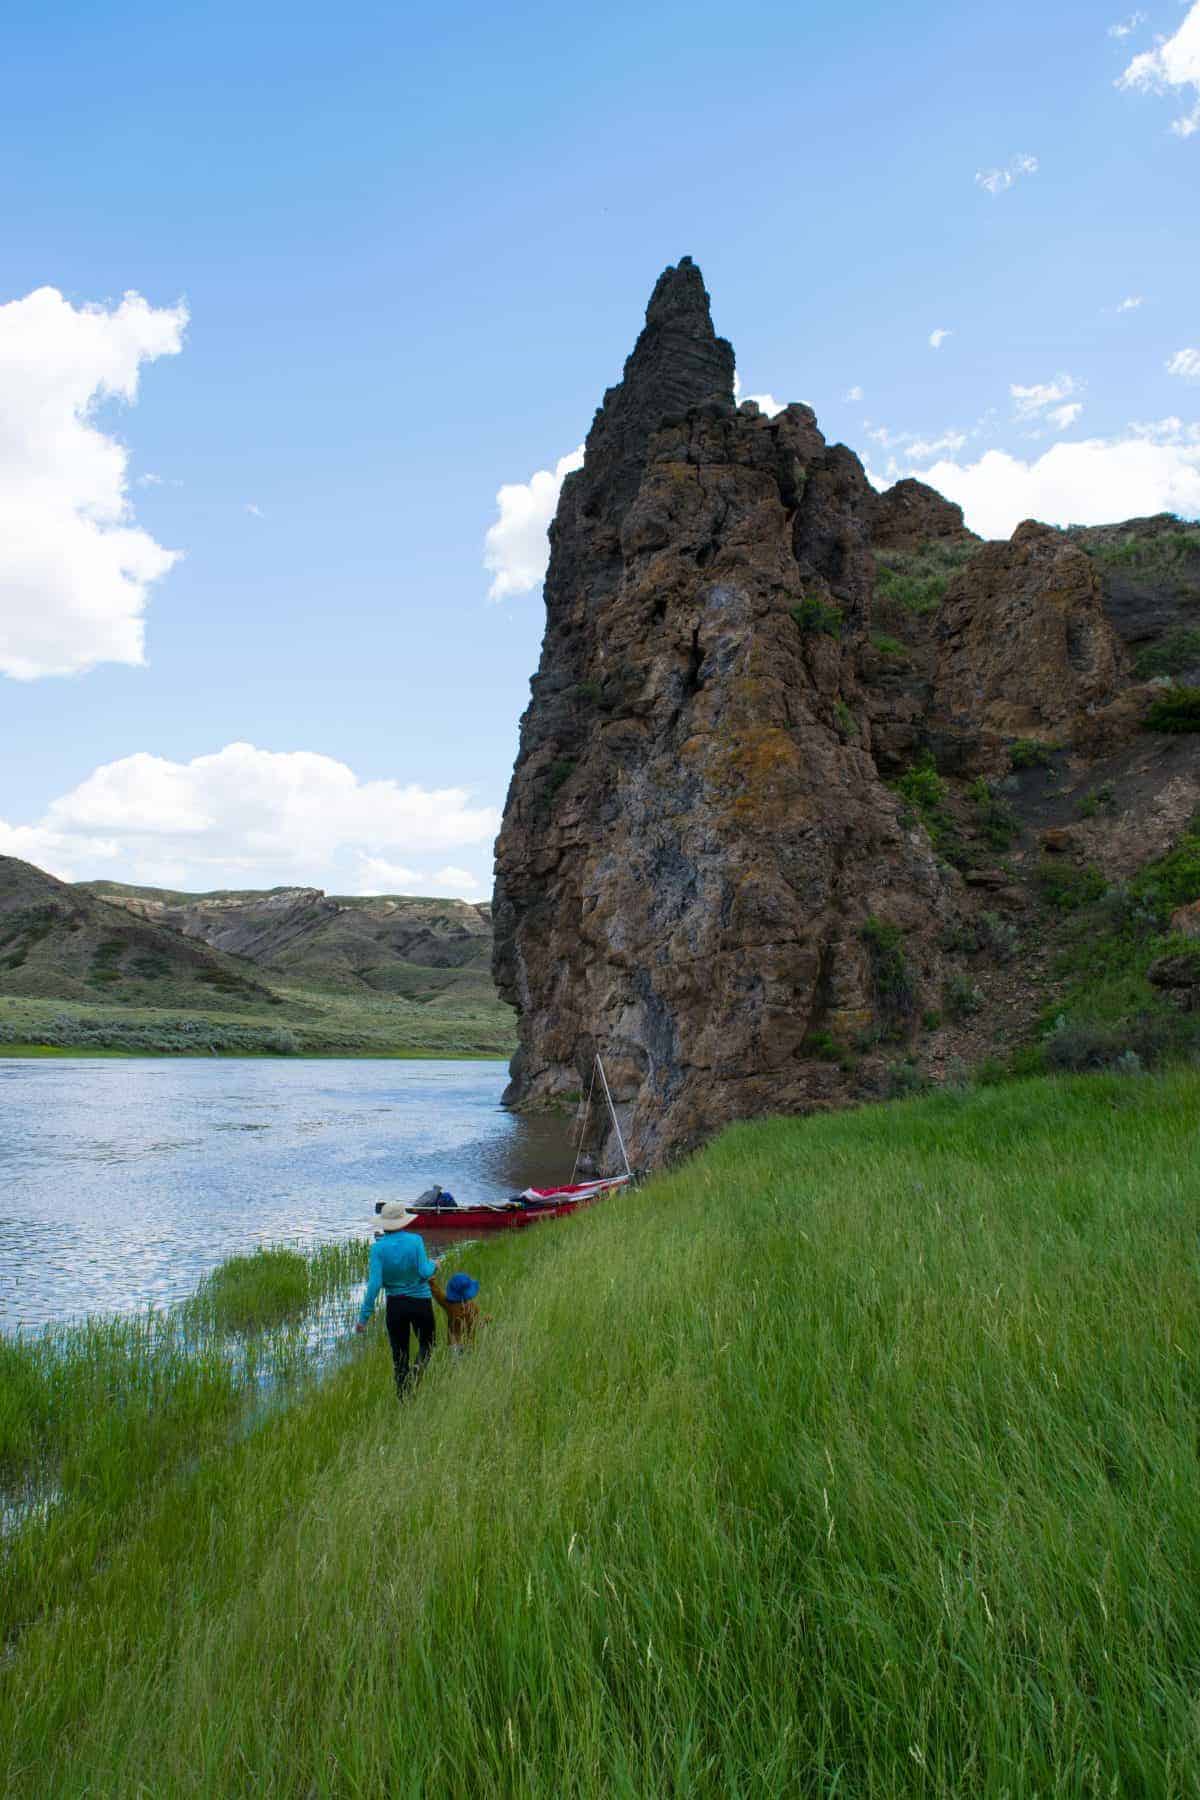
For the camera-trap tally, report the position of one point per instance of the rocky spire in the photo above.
(678, 362)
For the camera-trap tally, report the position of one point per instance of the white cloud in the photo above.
(1173, 63)
(950, 440)
(1131, 303)
(75, 570)
(767, 403)
(256, 512)
(1042, 404)
(937, 338)
(515, 550)
(255, 818)
(1088, 483)
(1126, 27)
(998, 181)
(1185, 363)
(378, 876)
(854, 393)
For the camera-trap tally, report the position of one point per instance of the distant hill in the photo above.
(385, 944)
(60, 942)
(104, 966)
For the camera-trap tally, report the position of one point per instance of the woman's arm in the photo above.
(374, 1283)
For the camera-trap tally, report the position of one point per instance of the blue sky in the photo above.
(413, 248)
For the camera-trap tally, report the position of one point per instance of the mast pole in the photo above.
(612, 1111)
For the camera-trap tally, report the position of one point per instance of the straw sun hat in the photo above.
(394, 1216)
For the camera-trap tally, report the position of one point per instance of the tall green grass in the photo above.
(94, 1416)
(856, 1457)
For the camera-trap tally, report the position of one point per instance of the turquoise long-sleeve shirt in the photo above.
(398, 1265)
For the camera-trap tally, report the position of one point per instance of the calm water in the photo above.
(123, 1182)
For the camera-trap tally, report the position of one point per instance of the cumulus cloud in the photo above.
(937, 338)
(1172, 66)
(1126, 27)
(998, 181)
(75, 569)
(1185, 363)
(256, 818)
(1131, 303)
(1153, 469)
(515, 550)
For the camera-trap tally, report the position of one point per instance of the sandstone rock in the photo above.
(695, 836)
(910, 515)
(1024, 647)
(1060, 840)
(1186, 920)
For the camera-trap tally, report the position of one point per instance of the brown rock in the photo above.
(1024, 647)
(910, 515)
(1060, 840)
(709, 920)
(1186, 920)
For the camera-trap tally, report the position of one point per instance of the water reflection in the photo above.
(123, 1182)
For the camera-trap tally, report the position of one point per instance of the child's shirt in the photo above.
(462, 1316)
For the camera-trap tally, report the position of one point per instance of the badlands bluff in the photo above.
(705, 871)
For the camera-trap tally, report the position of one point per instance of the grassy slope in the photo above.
(308, 1022)
(857, 1456)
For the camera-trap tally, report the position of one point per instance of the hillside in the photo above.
(818, 795)
(96, 966)
(909, 1505)
(383, 944)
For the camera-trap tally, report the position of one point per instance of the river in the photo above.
(124, 1181)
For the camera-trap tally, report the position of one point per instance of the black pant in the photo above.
(405, 1315)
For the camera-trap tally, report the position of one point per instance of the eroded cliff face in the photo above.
(714, 867)
(696, 834)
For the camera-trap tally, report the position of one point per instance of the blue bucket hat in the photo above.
(461, 1287)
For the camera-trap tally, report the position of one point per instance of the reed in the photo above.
(858, 1456)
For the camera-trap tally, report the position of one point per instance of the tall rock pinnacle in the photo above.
(677, 362)
(700, 861)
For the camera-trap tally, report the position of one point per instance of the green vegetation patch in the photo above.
(1176, 710)
(908, 1504)
(814, 617)
(892, 984)
(1031, 753)
(1152, 551)
(917, 580)
(1174, 654)
(1110, 1015)
(1067, 887)
(996, 821)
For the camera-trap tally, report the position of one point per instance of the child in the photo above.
(457, 1301)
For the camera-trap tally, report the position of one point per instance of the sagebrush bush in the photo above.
(1177, 710)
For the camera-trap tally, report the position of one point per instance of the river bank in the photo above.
(859, 1454)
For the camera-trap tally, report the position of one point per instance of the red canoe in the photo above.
(527, 1208)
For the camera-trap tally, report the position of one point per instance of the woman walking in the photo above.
(399, 1264)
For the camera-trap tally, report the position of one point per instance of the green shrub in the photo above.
(1174, 654)
(1178, 710)
(998, 936)
(917, 580)
(1152, 1037)
(815, 617)
(906, 1078)
(560, 771)
(822, 1044)
(1067, 887)
(588, 691)
(961, 997)
(1031, 753)
(892, 984)
(931, 1019)
(889, 646)
(1170, 881)
(1101, 799)
(847, 724)
(995, 817)
(922, 786)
